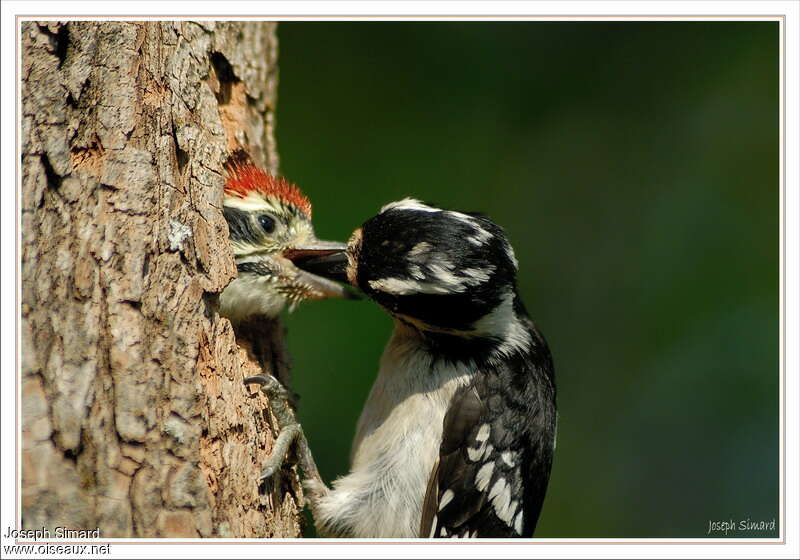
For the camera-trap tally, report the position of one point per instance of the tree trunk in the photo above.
(135, 418)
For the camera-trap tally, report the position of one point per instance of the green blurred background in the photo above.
(634, 166)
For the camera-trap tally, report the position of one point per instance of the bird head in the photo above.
(269, 222)
(439, 270)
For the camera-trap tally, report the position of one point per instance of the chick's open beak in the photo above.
(318, 264)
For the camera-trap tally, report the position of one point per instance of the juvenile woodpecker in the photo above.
(269, 222)
(457, 435)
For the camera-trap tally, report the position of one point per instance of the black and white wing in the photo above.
(494, 460)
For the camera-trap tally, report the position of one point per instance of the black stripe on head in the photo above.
(240, 225)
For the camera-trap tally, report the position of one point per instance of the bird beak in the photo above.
(331, 264)
(319, 263)
(315, 248)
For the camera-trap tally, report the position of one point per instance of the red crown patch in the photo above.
(244, 179)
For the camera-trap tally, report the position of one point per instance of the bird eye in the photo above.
(267, 222)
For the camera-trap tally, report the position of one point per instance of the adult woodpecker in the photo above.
(457, 435)
(269, 223)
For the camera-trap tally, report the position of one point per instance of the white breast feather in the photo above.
(250, 295)
(396, 444)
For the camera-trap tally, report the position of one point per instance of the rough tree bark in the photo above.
(135, 418)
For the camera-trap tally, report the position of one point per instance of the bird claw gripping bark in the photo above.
(290, 431)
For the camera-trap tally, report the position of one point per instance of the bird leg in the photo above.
(290, 432)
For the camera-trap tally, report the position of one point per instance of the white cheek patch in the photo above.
(404, 287)
(438, 278)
